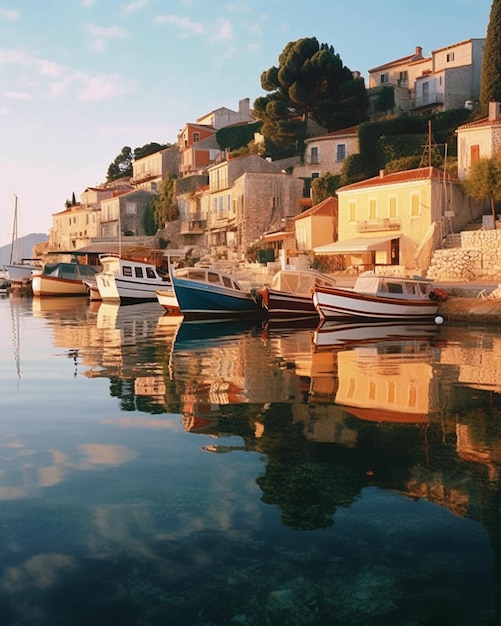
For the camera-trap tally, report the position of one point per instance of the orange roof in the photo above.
(485, 121)
(421, 173)
(326, 207)
(342, 132)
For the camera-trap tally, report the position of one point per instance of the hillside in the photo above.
(24, 246)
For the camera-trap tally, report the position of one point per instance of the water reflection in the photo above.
(384, 445)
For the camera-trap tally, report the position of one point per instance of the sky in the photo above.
(81, 79)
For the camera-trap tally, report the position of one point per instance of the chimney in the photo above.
(381, 173)
(419, 51)
(494, 110)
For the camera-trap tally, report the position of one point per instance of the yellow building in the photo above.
(398, 218)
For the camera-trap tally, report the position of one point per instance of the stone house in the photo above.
(197, 141)
(399, 218)
(74, 227)
(449, 78)
(148, 172)
(122, 215)
(326, 153)
(78, 225)
(246, 197)
(479, 139)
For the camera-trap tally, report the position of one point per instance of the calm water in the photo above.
(154, 473)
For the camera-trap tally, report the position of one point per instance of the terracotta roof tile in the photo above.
(400, 177)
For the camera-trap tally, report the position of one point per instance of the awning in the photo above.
(278, 236)
(354, 246)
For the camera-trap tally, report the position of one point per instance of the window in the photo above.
(228, 204)
(414, 205)
(450, 57)
(372, 209)
(130, 208)
(127, 270)
(139, 272)
(384, 78)
(341, 152)
(315, 175)
(314, 155)
(392, 207)
(150, 273)
(402, 78)
(352, 211)
(220, 206)
(196, 137)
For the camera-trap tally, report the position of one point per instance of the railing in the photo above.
(426, 100)
(192, 227)
(387, 223)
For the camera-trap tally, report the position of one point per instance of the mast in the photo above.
(14, 231)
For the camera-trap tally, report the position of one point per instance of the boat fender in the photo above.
(438, 294)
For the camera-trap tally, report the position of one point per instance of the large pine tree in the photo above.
(490, 88)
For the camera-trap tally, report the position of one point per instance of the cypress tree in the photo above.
(490, 88)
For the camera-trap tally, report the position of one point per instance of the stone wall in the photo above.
(479, 258)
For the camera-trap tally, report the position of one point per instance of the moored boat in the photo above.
(127, 280)
(23, 271)
(62, 279)
(167, 299)
(380, 297)
(207, 292)
(290, 294)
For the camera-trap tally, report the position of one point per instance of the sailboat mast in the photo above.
(14, 231)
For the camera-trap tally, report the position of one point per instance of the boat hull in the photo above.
(21, 273)
(344, 303)
(52, 286)
(280, 304)
(198, 300)
(167, 299)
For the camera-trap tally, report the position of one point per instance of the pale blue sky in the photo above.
(80, 79)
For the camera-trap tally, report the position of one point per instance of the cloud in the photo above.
(187, 27)
(89, 87)
(102, 35)
(133, 7)
(224, 30)
(87, 3)
(17, 95)
(9, 15)
(96, 88)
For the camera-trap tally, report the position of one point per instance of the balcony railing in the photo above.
(192, 227)
(426, 100)
(387, 223)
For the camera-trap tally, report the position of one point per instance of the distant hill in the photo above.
(23, 246)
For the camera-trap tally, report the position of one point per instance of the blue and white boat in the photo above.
(206, 292)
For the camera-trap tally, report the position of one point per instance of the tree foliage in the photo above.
(484, 181)
(149, 148)
(165, 207)
(121, 167)
(324, 187)
(310, 83)
(490, 87)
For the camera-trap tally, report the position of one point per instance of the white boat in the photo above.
(203, 293)
(331, 334)
(62, 279)
(380, 297)
(167, 299)
(20, 271)
(290, 294)
(127, 280)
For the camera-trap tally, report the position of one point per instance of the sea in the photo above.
(156, 472)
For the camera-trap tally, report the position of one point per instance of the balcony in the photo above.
(192, 227)
(387, 223)
(142, 177)
(427, 100)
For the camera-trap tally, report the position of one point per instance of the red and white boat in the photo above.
(380, 297)
(290, 294)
